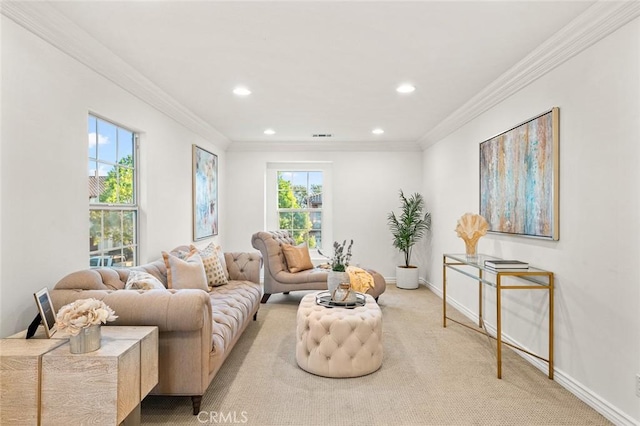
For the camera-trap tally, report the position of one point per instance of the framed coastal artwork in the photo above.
(519, 178)
(205, 193)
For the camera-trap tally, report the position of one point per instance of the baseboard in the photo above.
(609, 411)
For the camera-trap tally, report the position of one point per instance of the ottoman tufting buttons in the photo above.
(354, 349)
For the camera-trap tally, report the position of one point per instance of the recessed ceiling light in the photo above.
(377, 131)
(406, 88)
(269, 132)
(241, 91)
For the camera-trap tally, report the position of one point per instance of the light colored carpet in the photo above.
(430, 376)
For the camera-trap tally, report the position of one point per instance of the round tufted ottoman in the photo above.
(339, 342)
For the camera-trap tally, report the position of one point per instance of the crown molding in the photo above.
(43, 20)
(600, 20)
(325, 146)
(594, 24)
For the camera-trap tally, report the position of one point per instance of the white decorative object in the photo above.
(82, 319)
(470, 228)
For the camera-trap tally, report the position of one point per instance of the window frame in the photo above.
(123, 208)
(271, 195)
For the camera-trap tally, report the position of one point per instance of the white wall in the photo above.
(596, 259)
(365, 189)
(46, 97)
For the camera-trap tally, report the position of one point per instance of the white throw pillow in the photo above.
(140, 280)
(187, 273)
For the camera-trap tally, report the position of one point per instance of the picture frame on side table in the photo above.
(205, 193)
(46, 310)
(519, 185)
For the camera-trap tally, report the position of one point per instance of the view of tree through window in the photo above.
(300, 206)
(112, 200)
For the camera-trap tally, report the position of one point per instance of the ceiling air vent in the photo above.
(322, 135)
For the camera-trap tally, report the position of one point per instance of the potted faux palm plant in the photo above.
(407, 230)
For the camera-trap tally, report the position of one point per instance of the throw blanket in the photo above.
(361, 280)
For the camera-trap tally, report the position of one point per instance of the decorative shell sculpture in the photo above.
(470, 228)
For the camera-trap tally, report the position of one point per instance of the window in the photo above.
(113, 209)
(300, 205)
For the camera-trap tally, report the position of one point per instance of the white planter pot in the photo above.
(407, 278)
(335, 278)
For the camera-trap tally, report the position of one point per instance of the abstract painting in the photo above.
(519, 178)
(205, 194)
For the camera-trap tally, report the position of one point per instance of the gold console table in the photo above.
(528, 279)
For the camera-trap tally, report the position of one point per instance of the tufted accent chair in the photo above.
(278, 279)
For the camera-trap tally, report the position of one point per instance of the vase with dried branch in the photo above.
(338, 264)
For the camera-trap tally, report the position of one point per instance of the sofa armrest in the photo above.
(244, 266)
(169, 310)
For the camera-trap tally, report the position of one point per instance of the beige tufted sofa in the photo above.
(278, 279)
(197, 329)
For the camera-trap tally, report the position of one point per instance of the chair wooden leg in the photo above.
(196, 400)
(255, 316)
(265, 297)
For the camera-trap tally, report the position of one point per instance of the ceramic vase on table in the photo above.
(88, 340)
(334, 278)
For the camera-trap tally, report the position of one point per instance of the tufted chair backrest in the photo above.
(270, 245)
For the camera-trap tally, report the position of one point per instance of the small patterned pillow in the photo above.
(140, 280)
(216, 272)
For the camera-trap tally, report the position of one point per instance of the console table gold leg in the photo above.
(480, 300)
(499, 331)
(551, 327)
(444, 292)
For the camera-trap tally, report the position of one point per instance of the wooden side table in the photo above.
(101, 387)
(20, 379)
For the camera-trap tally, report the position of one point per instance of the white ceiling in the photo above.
(323, 66)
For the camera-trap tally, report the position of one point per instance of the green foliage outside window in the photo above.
(298, 223)
(118, 185)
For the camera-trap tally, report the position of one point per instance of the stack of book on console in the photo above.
(499, 265)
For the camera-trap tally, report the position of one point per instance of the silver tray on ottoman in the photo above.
(324, 299)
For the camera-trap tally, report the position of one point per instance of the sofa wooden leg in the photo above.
(196, 400)
(286, 292)
(255, 316)
(265, 297)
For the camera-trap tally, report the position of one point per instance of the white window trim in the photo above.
(271, 195)
(135, 206)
